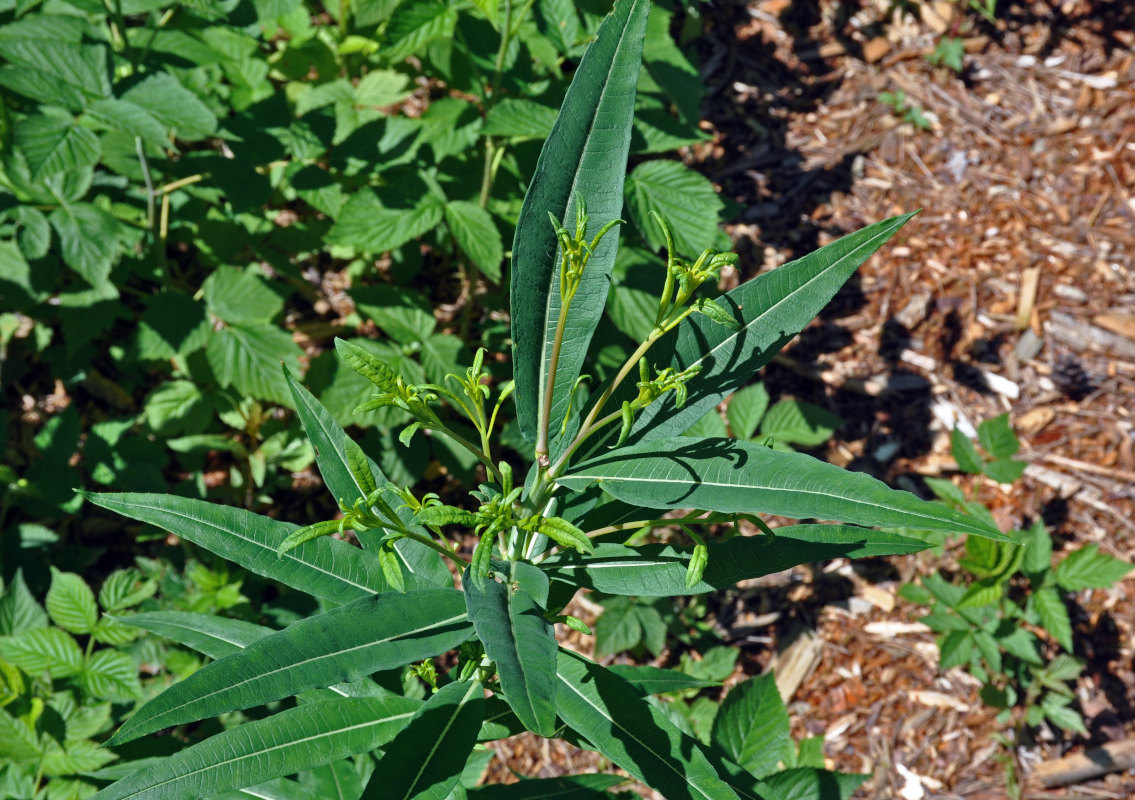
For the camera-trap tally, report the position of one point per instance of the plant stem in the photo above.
(546, 406)
(141, 150)
(445, 551)
(588, 427)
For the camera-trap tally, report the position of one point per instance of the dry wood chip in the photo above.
(889, 628)
(938, 700)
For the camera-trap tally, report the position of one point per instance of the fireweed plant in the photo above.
(604, 466)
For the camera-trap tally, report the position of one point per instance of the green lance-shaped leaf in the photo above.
(772, 308)
(655, 680)
(632, 733)
(214, 636)
(584, 156)
(283, 744)
(218, 637)
(344, 467)
(699, 558)
(566, 787)
(732, 476)
(391, 567)
(368, 365)
(326, 568)
(309, 532)
(560, 531)
(656, 570)
(341, 645)
(439, 516)
(511, 624)
(425, 761)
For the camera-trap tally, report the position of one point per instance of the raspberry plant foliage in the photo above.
(602, 467)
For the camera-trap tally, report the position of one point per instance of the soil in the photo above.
(1013, 291)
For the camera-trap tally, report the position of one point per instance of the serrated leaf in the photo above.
(371, 225)
(57, 70)
(477, 235)
(425, 761)
(741, 477)
(54, 144)
(88, 241)
(745, 410)
(1088, 568)
(110, 675)
(40, 650)
(521, 641)
(963, 451)
(241, 296)
(584, 157)
(519, 118)
(326, 568)
(341, 645)
(247, 357)
(797, 422)
(19, 610)
(286, 743)
(179, 109)
(414, 25)
(1063, 717)
(684, 198)
(18, 742)
(71, 603)
(752, 726)
(1004, 470)
(130, 118)
(1054, 616)
(997, 437)
(634, 734)
(655, 570)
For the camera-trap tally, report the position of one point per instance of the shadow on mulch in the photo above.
(754, 165)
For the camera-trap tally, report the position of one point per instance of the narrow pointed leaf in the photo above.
(567, 787)
(341, 645)
(584, 156)
(427, 758)
(655, 680)
(278, 789)
(773, 307)
(633, 734)
(283, 744)
(331, 445)
(656, 570)
(326, 568)
(731, 476)
(214, 636)
(335, 452)
(521, 641)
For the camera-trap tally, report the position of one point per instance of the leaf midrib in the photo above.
(681, 775)
(553, 289)
(714, 484)
(180, 515)
(302, 664)
(291, 743)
